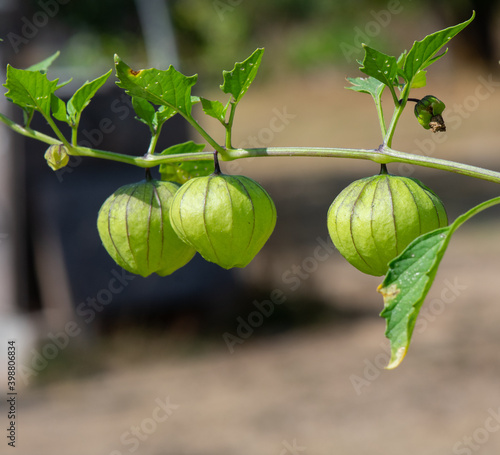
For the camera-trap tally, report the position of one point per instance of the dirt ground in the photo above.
(320, 389)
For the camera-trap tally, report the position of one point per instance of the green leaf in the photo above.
(82, 97)
(183, 171)
(238, 80)
(423, 53)
(168, 88)
(420, 79)
(380, 66)
(58, 108)
(215, 109)
(163, 114)
(43, 66)
(409, 280)
(368, 85)
(152, 117)
(145, 111)
(30, 89)
(406, 285)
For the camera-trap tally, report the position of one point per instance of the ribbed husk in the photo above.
(374, 219)
(134, 226)
(226, 218)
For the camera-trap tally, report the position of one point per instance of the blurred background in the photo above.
(287, 355)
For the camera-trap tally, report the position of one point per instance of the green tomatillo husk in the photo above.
(134, 226)
(226, 218)
(56, 156)
(375, 218)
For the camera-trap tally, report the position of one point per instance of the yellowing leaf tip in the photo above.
(396, 358)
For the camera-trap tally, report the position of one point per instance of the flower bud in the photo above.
(57, 156)
(428, 112)
(374, 219)
(135, 229)
(226, 218)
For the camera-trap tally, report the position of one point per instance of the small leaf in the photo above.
(82, 97)
(215, 109)
(423, 53)
(163, 114)
(169, 88)
(238, 80)
(30, 89)
(410, 278)
(58, 108)
(152, 117)
(181, 172)
(145, 111)
(380, 66)
(368, 85)
(43, 66)
(420, 79)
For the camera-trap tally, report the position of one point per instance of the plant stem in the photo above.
(203, 133)
(153, 142)
(381, 155)
(380, 114)
(28, 132)
(56, 130)
(398, 111)
(74, 135)
(229, 126)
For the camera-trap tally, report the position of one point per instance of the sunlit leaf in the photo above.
(409, 280)
(30, 89)
(423, 53)
(380, 66)
(169, 88)
(82, 97)
(215, 109)
(238, 80)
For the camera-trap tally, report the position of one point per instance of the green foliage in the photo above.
(381, 67)
(238, 80)
(407, 71)
(43, 66)
(81, 98)
(369, 85)
(30, 90)
(215, 109)
(157, 95)
(410, 278)
(236, 83)
(152, 117)
(183, 171)
(164, 88)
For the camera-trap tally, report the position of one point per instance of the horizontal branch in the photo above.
(381, 155)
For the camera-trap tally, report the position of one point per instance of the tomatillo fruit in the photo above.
(375, 218)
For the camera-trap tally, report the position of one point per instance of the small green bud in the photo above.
(135, 229)
(374, 219)
(57, 156)
(226, 218)
(428, 111)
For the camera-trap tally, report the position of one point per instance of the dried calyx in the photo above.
(428, 111)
